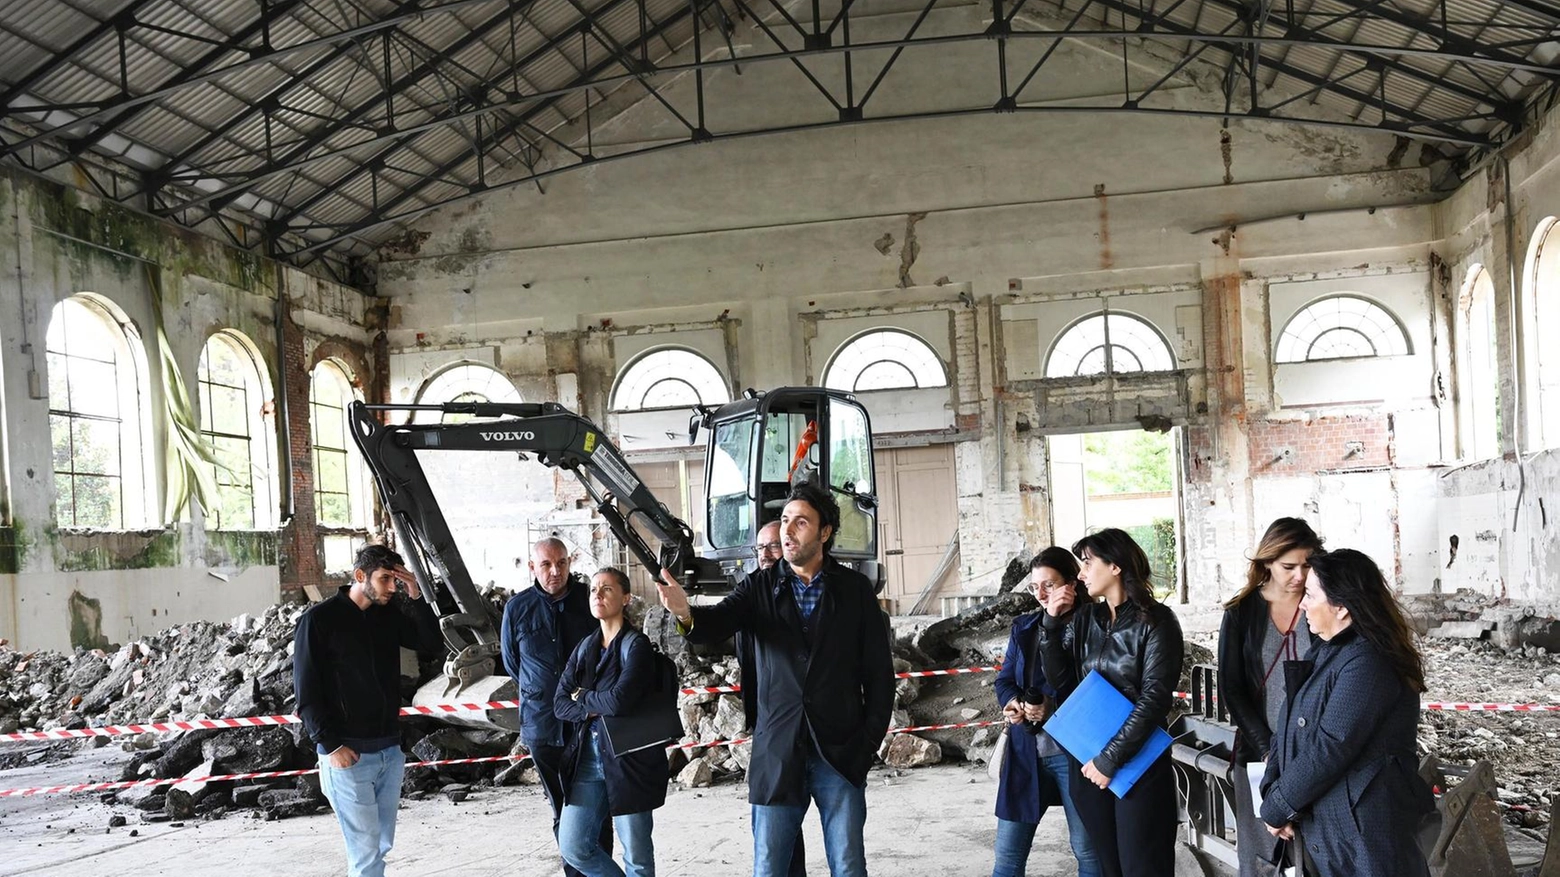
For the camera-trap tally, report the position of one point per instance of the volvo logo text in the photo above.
(508, 436)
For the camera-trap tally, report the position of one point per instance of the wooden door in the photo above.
(918, 516)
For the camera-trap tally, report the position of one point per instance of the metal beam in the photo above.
(71, 52)
(405, 138)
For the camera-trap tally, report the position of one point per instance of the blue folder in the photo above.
(1087, 721)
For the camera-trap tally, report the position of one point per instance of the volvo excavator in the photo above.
(757, 448)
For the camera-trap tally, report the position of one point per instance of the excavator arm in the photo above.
(555, 437)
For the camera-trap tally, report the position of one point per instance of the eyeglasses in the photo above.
(768, 547)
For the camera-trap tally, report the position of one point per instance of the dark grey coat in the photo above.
(826, 686)
(1343, 766)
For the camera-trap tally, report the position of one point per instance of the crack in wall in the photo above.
(909, 251)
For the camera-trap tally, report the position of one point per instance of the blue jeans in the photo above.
(364, 797)
(579, 826)
(1014, 839)
(842, 808)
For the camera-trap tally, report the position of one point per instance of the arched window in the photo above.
(1111, 343)
(1480, 389)
(1341, 327)
(341, 488)
(464, 382)
(884, 359)
(1541, 326)
(97, 416)
(236, 419)
(669, 378)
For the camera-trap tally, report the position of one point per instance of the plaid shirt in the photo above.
(807, 593)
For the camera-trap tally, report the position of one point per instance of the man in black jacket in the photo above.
(827, 678)
(347, 678)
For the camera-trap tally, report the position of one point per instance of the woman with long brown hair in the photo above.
(1342, 769)
(1263, 627)
(1134, 642)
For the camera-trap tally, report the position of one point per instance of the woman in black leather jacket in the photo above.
(1134, 641)
(1263, 627)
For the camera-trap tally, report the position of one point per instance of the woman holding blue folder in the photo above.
(1035, 771)
(1134, 642)
(606, 675)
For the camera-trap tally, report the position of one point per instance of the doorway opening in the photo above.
(1124, 478)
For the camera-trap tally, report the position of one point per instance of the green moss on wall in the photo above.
(241, 548)
(15, 542)
(84, 552)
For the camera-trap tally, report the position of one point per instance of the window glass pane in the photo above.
(730, 514)
(883, 360)
(94, 387)
(64, 500)
(641, 385)
(236, 508)
(59, 383)
(1338, 327)
(59, 433)
(330, 470)
(335, 510)
(329, 427)
(229, 410)
(467, 382)
(96, 446)
(97, 502)
(850, 462)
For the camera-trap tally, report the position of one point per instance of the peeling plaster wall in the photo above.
(55, 242)
(1004, 228)
(1496, 522)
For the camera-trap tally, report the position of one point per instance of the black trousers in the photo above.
(549, 766)
(1134, 836)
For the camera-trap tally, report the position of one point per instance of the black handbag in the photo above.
(654, 719)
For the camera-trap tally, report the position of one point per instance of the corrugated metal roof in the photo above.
(317, 152)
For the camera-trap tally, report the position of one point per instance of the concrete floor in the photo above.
(935, 822)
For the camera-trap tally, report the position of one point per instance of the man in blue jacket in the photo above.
(347, 679)
(542, 625)
(826, 680)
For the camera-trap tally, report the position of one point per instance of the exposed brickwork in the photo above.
(1329, 443)
(1199, 444)
(300, 558)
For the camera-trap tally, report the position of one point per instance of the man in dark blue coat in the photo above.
(542, 625)
(820, 646)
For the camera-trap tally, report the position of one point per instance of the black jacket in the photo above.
(1142, 660)
(637, 781)
(1343, 764)
(347, 666)
(832, 689)
(1241, 634)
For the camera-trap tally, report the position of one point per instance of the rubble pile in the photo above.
(244, 668)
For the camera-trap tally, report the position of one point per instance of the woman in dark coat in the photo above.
(1135, 643)
(606, 675)
(1342, 769)
(1034, 770)
(1263, 627)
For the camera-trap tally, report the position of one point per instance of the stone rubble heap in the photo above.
(244, 668)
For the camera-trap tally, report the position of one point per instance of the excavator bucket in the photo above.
(1471, 841)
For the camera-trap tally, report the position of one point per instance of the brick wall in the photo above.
(300, 558)
(1296, 447)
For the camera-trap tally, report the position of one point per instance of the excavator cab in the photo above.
(759, 446)
(763, 444)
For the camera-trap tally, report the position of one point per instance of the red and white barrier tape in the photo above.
(429, 710)
(263, 775)
(276, 774)
(446, 708)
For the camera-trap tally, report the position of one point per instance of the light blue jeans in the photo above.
(579, 826)
(1014, 839)
(842, 808)
(364, 797)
